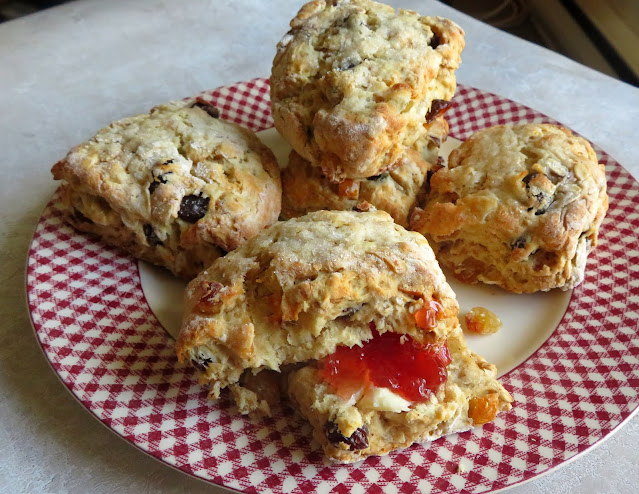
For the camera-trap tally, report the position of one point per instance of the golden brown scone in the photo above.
(304, 286)
(377, 421)
(517, 206)
(177, 187)
(305, 188)
(353, 78)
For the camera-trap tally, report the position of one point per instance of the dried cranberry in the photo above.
(151, 237)
(193, 207)
(438, 107)
(357, 440)
(208, 108)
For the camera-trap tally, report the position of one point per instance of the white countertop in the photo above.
(68, 71)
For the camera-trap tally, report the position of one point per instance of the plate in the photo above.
(570, 360)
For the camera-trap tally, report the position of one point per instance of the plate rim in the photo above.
(30, 304)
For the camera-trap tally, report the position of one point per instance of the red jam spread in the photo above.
(410, 369)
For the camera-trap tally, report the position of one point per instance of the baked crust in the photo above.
(302, 287)
(517, 206)
(305, 188)
(177, 187)
(353, 78)
(471, 380)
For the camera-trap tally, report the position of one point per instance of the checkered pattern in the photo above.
(101, 338)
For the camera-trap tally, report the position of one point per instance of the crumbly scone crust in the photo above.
(176, 187)
(302, 287)
(517, 206)
(305, 188)
(353, 78)
(447, 412)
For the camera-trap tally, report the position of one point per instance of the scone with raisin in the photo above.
(518, 206)
(307, 289)
(305, 188)
(392, 392)
(178, 186)
(353, 79)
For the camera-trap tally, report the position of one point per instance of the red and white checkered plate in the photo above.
(100, 336)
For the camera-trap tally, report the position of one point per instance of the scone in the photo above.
(372, 410)
(295, 300)
(517, 206)
(305, 188)
(304, 286)
(352, 80)
(177, 187)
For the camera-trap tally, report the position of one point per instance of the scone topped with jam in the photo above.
(177, 186)
(300, 304)
(353, 79)
(517, 206)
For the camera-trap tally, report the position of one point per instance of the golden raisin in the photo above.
(483, 409)
(482, 321)
(427, 317)
(349, 188)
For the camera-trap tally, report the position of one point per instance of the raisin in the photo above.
(437, 108)
(539, 212)
(348, 188)
(160, 179)
(201, 362)
(482, 321)
(544, 200)
(348, 64)
(193, 207)
(151, 237)
(520, 243)
(427, 317)
(208, 108)
(482, 410)
(357, 441)
(363, 206)
(435, 41)
(347, 312)
(380, 177)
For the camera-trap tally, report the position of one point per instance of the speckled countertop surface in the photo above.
(68, 71)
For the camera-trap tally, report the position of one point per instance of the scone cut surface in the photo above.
(302, 287)
(353, 80)
(517, 206)
(177, 187)
(305, 188)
